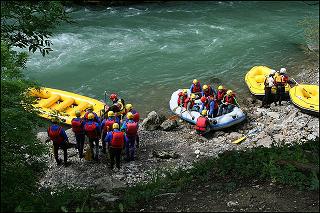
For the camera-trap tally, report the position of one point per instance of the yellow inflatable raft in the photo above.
(255, 80)
(305, 97)
(66, 103)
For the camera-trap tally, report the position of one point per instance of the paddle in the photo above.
(245, 137)
(302, 87)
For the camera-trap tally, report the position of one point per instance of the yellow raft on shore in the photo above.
(306, 98)
(255, 80)
(51, 101)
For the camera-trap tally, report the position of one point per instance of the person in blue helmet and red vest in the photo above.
(93, 132)
(60, 139)
(203, 123)
(77, 125)
(90, 110)
(116, 140)
(207, 91)
(195, 86)
(210, 104)
(130, 127)
(136, 118)
(106, 126)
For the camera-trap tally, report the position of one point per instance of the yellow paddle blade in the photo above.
(239, 140)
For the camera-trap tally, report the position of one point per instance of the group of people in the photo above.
(213, 103)
(278, 79)
(117, 129)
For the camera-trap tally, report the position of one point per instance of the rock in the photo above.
(311, 137)
(266, 141)
(231, 203)
(278, 137)
(274, 115)
(106, 197)
(152, 121)
(234, 136)
(168, 125)
(165, 154)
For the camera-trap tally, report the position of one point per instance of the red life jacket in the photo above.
(230, 99)
(196, 88)
(132, 129)
(220, 94)
(208, 92)
(136, 117)
(55, 135)
(201, 124)
(117, 140)
(108, 125)
(91, 130)
(181, 94)
(77, 125)
(187, 101)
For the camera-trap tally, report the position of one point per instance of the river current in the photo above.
(145, 52)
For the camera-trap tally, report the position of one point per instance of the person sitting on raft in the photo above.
(207, 90)
(220, 94)
(182, 96)
(228, 103)
(195, 87)
(209, 104)
(203, 123)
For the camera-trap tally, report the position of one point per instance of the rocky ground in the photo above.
(179, 146)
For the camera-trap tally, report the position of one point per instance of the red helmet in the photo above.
(203, 99)
(113, 97)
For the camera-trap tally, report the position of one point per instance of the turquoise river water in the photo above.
(145, 52)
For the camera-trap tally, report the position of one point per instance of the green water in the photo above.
(145, 52)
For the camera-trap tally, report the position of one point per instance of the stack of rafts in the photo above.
(64, 103)
(303, 96)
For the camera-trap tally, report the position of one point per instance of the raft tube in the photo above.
(50, 100)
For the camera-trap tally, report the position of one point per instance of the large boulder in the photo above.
(152, 121)
(168, 125)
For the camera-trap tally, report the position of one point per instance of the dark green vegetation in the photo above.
(296, 165)
(26, 24)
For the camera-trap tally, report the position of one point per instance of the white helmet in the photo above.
(272, 72)
(283, 70)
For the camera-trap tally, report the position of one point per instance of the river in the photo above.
(145, 52)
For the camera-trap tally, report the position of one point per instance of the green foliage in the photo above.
(260, 163)
(28, 24)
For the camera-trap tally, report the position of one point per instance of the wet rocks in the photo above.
(152, 121)
(168, 125)
(165, 154)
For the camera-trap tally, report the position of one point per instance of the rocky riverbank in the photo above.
(179, 146)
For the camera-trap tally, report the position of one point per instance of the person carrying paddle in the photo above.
(59, 139)
(116, 140)
(268, 84)
(281, 79)
(77, 125)
(130, 127)
(93, 132)
(228, 103)
(203, 123)
(195, 87)
(106, 126)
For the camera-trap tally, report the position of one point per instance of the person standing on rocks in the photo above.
(90, 110)
(281, 79)
(92, 130)
(136, 118)
(116, 140)
(79, 133)
(130, 127)
(268, 84)
(106, 126)
(60, 139)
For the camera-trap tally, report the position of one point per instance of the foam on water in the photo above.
(146, 52)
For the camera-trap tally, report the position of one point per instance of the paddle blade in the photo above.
(239, 140)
